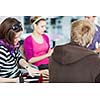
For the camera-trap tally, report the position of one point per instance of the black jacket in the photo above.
(72, 63)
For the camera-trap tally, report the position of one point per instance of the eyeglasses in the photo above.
(16, 26)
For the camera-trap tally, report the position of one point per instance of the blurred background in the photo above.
(57, 27)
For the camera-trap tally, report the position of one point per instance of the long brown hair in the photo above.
(8, 29)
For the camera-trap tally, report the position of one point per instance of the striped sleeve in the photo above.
(18, 55)
(8, 64)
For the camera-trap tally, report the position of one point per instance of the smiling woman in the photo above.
(10, 56)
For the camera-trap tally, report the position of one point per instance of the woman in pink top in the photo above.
(37, 48)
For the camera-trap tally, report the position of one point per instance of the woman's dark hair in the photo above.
(8, 29)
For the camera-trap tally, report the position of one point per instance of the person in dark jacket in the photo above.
(74, 62)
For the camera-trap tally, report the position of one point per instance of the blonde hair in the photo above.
(82, 32)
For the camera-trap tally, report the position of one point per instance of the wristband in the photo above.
(26, 67)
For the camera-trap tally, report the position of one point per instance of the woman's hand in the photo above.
(45, 73)
(33, 72)
(50, 51)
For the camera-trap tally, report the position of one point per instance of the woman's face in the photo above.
(91, 18)
(40, 27)
(17, 38)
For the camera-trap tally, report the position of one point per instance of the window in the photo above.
(53, 21)
(27, 25)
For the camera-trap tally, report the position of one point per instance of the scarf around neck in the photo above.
(11, 48)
